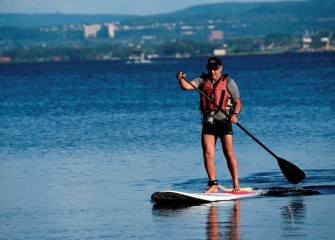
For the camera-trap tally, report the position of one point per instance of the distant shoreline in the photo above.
(167, 57)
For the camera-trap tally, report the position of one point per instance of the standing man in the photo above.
(224, 92)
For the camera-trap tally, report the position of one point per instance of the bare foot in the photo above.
(212, 189)
(236, 189)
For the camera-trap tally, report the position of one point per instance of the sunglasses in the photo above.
(211, 69)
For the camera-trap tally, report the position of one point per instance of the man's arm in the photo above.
(183, 84)
(238, 105)
(237, 110)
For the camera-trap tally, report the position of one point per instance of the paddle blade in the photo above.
(292, 173)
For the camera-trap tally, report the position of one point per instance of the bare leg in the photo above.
(228, 151)
(208, 147)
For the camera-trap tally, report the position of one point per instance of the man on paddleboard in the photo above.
(221, 91)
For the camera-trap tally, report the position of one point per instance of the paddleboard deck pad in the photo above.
(175, 197)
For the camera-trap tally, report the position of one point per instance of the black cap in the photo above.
(213, 63)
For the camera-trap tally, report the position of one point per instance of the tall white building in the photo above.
(91, 30)
(111, 29)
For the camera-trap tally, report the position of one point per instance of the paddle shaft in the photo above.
(238, 124)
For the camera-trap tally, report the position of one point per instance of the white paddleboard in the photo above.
(169, 196)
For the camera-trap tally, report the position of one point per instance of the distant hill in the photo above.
(234, 19)
(254, 19)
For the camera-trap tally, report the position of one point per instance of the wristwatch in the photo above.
(236, 114)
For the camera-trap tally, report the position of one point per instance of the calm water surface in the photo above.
(84, 145)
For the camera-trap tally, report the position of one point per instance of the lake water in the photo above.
(83, 145)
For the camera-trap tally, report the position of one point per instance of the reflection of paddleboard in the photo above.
(184, 197)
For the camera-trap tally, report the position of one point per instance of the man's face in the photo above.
(215, 74)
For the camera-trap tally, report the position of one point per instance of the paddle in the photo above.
(292, 173)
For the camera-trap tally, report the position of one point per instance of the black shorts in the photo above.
(218, 129)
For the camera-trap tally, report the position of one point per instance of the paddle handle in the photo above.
(238, 124)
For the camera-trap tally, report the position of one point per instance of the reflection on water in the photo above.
(224, 220)
(230, 228)
(218, 226)
(293, 213)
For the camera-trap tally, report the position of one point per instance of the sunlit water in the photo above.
(84, 145)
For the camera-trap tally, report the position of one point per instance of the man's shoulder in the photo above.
(199, 79)
(230, 81)
(231, 86)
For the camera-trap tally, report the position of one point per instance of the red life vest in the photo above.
(218, 92)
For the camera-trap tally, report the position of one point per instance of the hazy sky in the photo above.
(138, 7)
